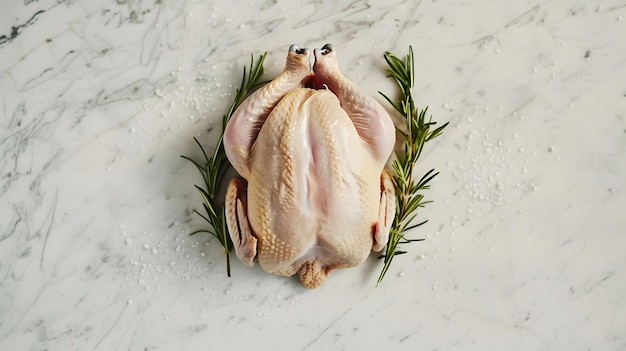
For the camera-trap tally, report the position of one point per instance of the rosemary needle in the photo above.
(415, 133)
(213, 168)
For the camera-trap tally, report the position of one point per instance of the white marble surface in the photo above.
(525, 247)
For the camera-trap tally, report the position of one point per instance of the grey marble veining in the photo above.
(525, 242)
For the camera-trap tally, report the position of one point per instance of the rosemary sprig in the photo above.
(409, 197)
(213, 168)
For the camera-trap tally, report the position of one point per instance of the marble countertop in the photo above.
(525, 246)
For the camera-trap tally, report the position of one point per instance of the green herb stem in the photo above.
(415, 133)
(214, 167)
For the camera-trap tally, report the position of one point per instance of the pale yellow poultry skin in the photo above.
(312, 147)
